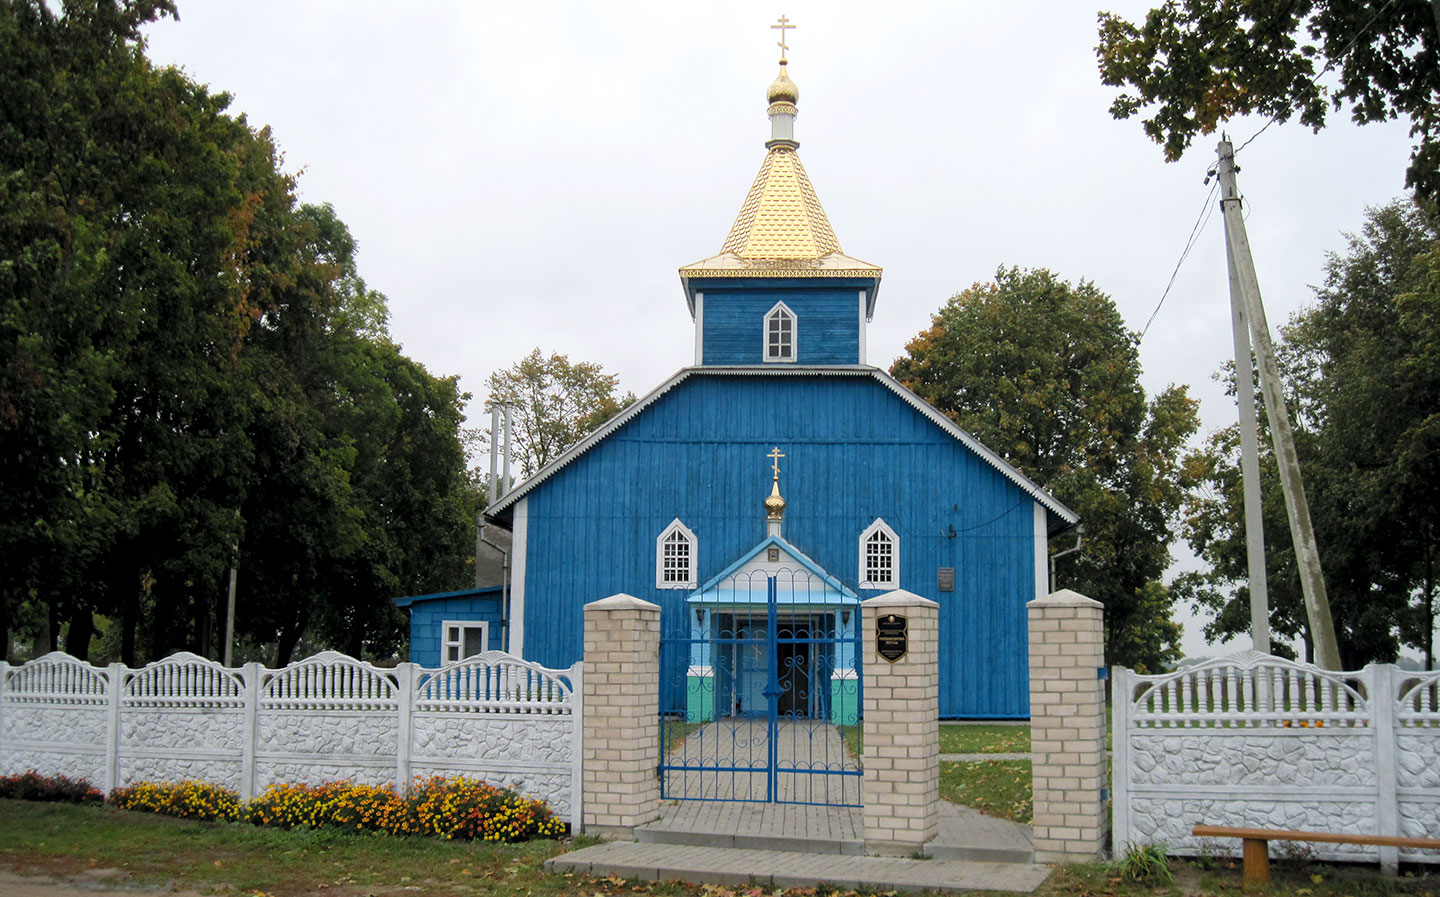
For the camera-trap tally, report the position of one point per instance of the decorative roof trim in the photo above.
(804, 560)
(1026, 485)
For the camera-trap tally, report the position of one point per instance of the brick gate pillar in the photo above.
(901, 784)
(1067, 726)
(622, 709)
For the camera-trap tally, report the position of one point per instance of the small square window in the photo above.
(464, 639)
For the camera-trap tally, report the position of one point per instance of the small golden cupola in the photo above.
(774, 504)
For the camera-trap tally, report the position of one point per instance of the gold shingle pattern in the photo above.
(782, 217)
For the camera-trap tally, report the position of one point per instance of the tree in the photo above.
(1194, 64)
(1045, 373)
(190, 362)
(554, 404)
(1362, 368)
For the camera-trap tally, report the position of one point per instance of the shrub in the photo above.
(341, 804)
(458, 808)
(33, 786)
(1143, 863)
(473, 810)
(188, 800)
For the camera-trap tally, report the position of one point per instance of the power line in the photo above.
(1328, 66)
(1204, 216)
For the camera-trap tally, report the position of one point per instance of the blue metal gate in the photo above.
(762, 693)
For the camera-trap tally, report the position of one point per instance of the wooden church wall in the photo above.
(827, 330)
(854, 452)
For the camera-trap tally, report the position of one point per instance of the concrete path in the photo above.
(790, 845)
(789, 869)
(729, 759)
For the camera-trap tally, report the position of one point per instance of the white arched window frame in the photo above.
(781, 334)
(675, 557)
(879, 557)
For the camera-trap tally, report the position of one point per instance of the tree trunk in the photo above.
(77, 637)
(290, 637)
(129, 622)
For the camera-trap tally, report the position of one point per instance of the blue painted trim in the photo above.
(437, 596)
(789, 549)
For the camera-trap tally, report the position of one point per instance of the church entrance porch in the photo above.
(762, 694)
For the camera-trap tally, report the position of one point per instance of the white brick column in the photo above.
(901, 784)
(621, 694)
(1067, 726)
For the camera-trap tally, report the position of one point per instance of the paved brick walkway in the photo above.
(790, 869)
(729, 760)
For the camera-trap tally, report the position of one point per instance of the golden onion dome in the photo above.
(782, 89)
(775, 505)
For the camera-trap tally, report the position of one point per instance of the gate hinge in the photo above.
(1104, 793)
(1102, 672)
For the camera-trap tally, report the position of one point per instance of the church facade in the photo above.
(780, 467)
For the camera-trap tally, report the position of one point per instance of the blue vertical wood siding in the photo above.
(426, 615)
(854, 451)
(827, 321)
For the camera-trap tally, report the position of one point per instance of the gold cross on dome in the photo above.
(784, 24)
(775, 456)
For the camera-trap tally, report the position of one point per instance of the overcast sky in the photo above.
(523, 175)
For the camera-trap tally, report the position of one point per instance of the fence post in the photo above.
(900, 786)
(114, 687)
(250, 674)
(622, 700)
(577, 746)
(405, 730)
(1382, 721)
(1121, 691)
(1067, 725)
(4, 690)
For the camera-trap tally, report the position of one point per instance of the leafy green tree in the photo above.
(1362, 368)
(554, 404)
(1193, 64)
(190, 363)
(1045, 372)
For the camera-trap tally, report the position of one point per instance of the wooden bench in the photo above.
(1256, 844)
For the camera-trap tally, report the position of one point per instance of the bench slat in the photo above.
(1265, 834)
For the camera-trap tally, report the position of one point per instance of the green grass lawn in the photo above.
(994, 787)
(115, 849)
(984, 738)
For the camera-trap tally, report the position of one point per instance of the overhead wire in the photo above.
(1208, 208)
(1328, 66)
(1200, 220)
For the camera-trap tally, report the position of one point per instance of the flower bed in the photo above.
(458, 808)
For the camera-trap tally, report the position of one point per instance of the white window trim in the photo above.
(894, 581)
(446, 643)
(794, 335)
(675, 527)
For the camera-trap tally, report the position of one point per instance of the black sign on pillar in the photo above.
(892, 638)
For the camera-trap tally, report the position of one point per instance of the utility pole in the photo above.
(1302, 532)
(1249, 463)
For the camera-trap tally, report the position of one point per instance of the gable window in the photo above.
(879, 557)
(780, 333)
(464, 638)
(675, 557)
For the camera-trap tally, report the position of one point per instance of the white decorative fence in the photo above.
(326, 718)
(1256, 741)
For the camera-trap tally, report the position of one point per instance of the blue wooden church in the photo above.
(781, 469)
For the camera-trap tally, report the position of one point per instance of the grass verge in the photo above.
(994, 787)
(126, 850)
(984, 738)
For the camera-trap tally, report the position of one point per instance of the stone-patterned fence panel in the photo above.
(328, 717)
(1257, 741)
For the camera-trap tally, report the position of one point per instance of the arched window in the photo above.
(879, 557)
(675, 557)
(780, 326)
